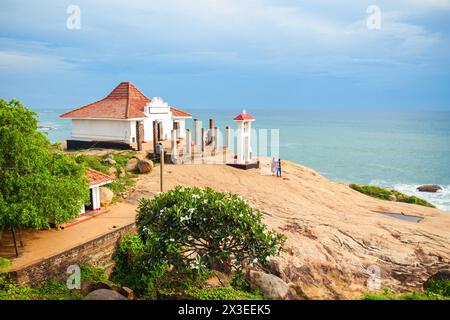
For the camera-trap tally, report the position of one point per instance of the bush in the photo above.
(384, 194)
(51, 290)
(222, 294)
(192, 228)
(133, 269)
(4, 264)
(93, 274)
(438, 290)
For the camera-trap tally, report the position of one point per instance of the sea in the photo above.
(399, 150)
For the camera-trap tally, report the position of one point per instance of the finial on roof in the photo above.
(244, 112)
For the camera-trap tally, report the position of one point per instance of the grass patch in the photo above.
(222, 293)
(4, 264)
(385, 194)
(51, 290)
(99, 163)
(439, 289)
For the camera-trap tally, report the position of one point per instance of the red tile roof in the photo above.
(95, 177)
(124, 102)
(244, 116)
(179, 113)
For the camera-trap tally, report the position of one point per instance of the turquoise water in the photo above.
(391, 149)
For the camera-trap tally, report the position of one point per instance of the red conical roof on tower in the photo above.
(244, 116)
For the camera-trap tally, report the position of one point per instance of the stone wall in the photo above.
(96, 252)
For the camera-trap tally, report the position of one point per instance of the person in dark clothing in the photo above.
(279, 168)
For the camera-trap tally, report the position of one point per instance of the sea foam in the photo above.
(440, 199)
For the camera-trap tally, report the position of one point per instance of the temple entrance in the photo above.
(90, 206)
(160, 135)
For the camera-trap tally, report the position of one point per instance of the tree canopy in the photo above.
(195, 228)
(38, 185)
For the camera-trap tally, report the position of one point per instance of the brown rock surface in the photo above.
(145, 166)
(334, 233)
(106, 196)
(131, 164)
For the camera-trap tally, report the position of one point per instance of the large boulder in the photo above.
(132, 164)
(106, 196)
(145, 166)
(269, 285)
(140, 155)
(104, 294)
(429, 188)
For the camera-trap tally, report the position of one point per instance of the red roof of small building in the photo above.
(179, 113)
(124, 102)
(95, 177)
(244, 116)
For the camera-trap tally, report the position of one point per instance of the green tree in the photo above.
(200, 228)
(38, 185)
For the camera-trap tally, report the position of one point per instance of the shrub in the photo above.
(439, 286)
(199, 228)
(438, 290)
(4, 264)
(384, 194)
(93, 274)
(51, 290)
(133, 268)
(222, 293)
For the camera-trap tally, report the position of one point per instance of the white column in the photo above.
(227, 138)
(173, 140)
(95, 198)
(188, 142)
(196, 131)
(240, 143)
(216, 138)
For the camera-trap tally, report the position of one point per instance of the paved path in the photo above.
(45, 243)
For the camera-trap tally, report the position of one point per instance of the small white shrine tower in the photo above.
(244, 150)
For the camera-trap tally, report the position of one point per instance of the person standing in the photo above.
(273, 166)
(279, 168)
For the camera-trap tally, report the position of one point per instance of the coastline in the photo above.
(357, 147)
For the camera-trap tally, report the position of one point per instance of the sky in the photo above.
(311, 54)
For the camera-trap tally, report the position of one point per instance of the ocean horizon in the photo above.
(398, 149)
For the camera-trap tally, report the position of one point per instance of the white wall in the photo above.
(103, 130)
(157, 110)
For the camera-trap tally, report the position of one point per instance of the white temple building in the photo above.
(121, 118)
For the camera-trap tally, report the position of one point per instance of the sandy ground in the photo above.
(335, 234)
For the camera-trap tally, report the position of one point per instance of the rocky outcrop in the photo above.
(104, 294)
(270, 285)
(429, 188)
(145, 166)
(106, 196)
(337, 240)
